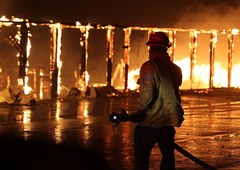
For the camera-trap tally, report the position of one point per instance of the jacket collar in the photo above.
(162, 55)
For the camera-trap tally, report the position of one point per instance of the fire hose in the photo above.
(116, 118)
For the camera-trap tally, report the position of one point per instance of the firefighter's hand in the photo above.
(137, 116)
(124, 116)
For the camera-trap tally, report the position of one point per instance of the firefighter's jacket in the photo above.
(159, 92)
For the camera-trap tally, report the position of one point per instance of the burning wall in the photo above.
(100, 54)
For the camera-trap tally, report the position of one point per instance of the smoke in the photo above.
(4, 8)
(209, 16)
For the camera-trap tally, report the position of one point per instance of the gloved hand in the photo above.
(138, 116)
(134, 117)
(124, 116)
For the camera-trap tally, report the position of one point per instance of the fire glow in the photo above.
(209, 76)
(18, 37)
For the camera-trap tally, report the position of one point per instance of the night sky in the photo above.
(160, 13)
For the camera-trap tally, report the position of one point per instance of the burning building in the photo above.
(41, 47)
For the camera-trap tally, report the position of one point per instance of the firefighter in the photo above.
(160, 109)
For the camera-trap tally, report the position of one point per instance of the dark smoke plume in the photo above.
(209, 16)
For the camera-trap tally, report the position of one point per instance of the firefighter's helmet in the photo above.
(158, 39)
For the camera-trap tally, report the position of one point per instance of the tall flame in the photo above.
(84, 78)
(56, 30)
(27, 89)
(59, 62)
(132, 79)
(201, 73)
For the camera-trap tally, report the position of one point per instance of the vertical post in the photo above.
(126, 54)
(82, 66)
(23, 52)
(150, 32)
(53, 62)
(230, 57)
(38, 82)
(213, 42)
(172, 39)
(192, 47)
(110, 37)
(83, 78)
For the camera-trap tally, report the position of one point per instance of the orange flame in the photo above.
(84, 79)
(201, 72)
(132, 79)
(59, 62)
(57, 34)
(41, 89)
(27, 89)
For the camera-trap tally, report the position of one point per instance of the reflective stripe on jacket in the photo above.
(159, 92)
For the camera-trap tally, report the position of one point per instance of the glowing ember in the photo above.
(99, 85)
(3, 18)
(7, 22)
(17, 19)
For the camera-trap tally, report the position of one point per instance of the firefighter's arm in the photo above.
(147, 84)
(134, 117)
